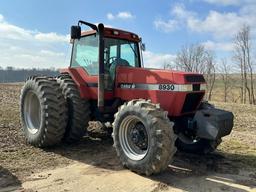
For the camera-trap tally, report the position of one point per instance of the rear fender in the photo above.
(76, 75)
(87, 84)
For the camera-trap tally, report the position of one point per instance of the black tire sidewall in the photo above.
(147, 122)
(78, 110)
(32, 138)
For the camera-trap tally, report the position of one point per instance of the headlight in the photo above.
(188, 87)
(203, 87)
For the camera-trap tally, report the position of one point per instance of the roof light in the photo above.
(115, 32)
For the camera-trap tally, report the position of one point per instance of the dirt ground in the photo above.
(92, 165)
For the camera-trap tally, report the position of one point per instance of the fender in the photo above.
(75, 73)
(87, 84)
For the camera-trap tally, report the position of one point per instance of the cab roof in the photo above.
(115, 33)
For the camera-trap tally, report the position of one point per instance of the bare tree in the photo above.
(191, 58)
(195, 58)
(225, 70)
(168, 65)
(242, 43)
(210, 73)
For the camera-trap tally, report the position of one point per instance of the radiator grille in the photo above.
(194, 78)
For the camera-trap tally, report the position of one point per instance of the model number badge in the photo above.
(166, 87)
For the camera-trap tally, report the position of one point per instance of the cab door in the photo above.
(118, 53)
(84, 66)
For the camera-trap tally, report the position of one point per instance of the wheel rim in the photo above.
(32, 112)
(133, 138)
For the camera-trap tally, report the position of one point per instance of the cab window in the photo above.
(113, 51)
(85, 54)
(129, 53)
(118, 51)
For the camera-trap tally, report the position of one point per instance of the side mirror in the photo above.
(143, 47)
(75, 32)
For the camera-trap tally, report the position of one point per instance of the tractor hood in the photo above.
(159, 76)
(177, 92)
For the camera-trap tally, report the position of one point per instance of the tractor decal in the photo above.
(161, 87)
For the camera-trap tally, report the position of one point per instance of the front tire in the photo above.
(143, 137)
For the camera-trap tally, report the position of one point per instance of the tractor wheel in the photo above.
(143, 137)
(78, 110)
(43, 111)
(197, 146)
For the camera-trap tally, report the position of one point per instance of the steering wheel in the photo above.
(111, 60)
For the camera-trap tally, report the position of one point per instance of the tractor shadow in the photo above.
(92, 151)
(188, 172)
(8, 181)
(213, 172)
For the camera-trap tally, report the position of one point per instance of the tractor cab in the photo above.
(101, 50)
(120, 49)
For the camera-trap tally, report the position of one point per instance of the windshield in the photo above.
(116, 52)
(85, 54)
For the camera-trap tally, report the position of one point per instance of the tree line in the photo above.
(11, 74)
(239, 74)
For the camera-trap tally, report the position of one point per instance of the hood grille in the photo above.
(195, 78)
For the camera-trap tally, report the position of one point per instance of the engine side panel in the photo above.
(133, 83)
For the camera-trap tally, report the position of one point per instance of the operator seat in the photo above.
(114, 64)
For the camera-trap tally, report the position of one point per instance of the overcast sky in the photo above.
(36, 33)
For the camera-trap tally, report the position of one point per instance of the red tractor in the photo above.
(152, 111)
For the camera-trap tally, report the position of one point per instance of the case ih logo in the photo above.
(127, 86)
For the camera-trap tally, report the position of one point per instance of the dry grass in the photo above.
(240, 145)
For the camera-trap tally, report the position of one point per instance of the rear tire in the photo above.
(43, 111)
(152, 123)
(78, 110)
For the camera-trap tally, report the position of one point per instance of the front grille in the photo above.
(196, 87)
(192, 100)
(194, 78)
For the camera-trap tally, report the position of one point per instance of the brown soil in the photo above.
(92, 165)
